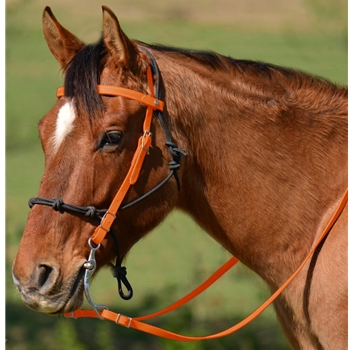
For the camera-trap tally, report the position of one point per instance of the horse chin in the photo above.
(76, 296)
(57, 303)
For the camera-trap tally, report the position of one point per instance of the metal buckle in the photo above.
(104, 228)
(117, 321)
(146, 133)
(108, 212)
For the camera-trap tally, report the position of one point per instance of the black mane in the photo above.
(83, 74)
(84, 70)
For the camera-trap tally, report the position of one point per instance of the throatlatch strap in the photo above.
(144, 327)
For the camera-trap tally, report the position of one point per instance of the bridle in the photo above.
(107, 216)
(153, 104)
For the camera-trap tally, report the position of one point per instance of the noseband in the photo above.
(154, 104)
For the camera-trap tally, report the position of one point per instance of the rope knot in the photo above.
(31, 202)
(119, 272)
(57, 204)
(173, 165)
(90, 211)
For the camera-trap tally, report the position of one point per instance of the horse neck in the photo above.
(263, 167)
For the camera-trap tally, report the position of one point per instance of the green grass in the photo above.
(177, 256)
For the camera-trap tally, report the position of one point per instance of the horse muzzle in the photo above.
(44, 289)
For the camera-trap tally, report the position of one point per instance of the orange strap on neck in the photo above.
(137, 323)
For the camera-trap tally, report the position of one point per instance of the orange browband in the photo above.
(146, 100)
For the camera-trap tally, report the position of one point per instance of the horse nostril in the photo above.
(45, 278)
(44, 272)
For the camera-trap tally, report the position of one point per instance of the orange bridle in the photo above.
(153, 103)
(142, 149)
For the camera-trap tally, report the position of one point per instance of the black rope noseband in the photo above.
(119, 272)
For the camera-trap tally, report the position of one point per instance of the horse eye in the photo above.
(111, 138)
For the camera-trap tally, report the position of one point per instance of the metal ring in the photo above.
(91, 246)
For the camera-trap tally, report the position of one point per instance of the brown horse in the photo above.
(266, 167)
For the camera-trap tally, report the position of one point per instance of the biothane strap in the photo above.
(201, 288)
(136, 323)
(146, 100)
(144, 143)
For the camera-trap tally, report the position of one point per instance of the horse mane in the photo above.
(217, 61)
(83, 73)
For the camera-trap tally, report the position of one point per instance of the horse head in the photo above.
(89, 140)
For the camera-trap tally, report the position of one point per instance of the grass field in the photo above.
(309, 35)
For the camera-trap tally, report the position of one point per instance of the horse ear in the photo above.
(119, 46)
(61, 42)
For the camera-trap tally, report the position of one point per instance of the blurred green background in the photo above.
(310, 35)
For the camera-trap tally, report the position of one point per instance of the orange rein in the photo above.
(100, 232)
(137, 323)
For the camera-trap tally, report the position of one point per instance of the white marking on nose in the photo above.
(64, 124)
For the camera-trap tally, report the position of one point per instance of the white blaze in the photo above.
(64, 124)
